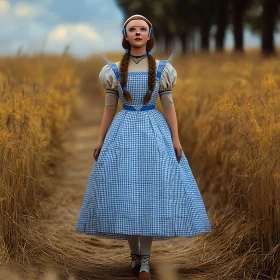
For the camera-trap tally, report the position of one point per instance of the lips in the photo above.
(138, 39)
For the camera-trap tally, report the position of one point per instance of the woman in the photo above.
(141, 187)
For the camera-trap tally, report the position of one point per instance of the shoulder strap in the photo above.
(115, 69)
(113, 66)
(160, 68)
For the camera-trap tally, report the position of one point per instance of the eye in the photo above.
(144, 28)
(132, 28)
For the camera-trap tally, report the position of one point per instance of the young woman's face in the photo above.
(137, 32)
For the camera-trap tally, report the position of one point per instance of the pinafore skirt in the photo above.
(137, 186)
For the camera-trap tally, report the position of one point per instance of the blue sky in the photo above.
(90, 26)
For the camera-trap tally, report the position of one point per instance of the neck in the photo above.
(138, 51)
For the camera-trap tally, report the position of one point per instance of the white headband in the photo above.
(137, 16)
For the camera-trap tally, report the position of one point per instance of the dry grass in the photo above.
(229, 117)
(37, 102)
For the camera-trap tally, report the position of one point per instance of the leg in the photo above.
(134, 248)
(133, 243)
(145, 249)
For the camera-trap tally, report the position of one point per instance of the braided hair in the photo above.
(151, 72)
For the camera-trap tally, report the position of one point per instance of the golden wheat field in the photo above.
(228, 112)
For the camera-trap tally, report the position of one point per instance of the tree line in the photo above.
(185, 18)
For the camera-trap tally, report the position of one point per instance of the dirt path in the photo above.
(62, 207)
(95, 258)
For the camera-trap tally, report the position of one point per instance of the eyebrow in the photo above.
(138, 26)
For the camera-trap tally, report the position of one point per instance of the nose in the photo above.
(137, 33)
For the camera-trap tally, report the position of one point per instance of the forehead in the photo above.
(137, 22)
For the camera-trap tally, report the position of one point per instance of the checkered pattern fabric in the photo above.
(137, 186)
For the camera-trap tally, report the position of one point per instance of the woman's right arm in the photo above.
(108, 116)
(108, 80)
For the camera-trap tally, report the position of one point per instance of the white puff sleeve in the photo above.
(168, 78)
(167, 83)
(108, 80)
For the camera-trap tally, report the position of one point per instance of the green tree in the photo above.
(222, 22)
(269, 18)
(184, 18)
(239, 11)
(262, 19)
(202, 16)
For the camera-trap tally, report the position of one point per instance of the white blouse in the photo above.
(168, 79)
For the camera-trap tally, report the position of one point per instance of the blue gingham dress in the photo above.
(137, 186)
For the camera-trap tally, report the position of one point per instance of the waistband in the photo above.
(144, 108)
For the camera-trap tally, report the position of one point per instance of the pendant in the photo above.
(137, 59)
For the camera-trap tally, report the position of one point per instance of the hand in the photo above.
(97, 149)
(178, 149)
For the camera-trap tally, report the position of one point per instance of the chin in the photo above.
(138, 45)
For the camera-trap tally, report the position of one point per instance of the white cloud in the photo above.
(4, 7)
(24, 9)
(87, 31)
(59, 33)
(83, 38)
(20, 13)
(47, 24)
(74, 32)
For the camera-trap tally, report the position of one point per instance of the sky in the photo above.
(89, 26)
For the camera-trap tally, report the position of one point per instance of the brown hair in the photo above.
(151, 71)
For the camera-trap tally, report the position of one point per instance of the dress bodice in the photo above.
(137, 82)
(137, 85)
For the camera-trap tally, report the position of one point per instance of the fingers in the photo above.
(96, 153)
(178, 153)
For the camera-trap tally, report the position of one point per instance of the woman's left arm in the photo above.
(171, 118)
(168, 81)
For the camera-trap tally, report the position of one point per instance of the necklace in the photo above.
(138, 58)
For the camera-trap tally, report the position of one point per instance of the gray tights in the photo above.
(144, 248)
